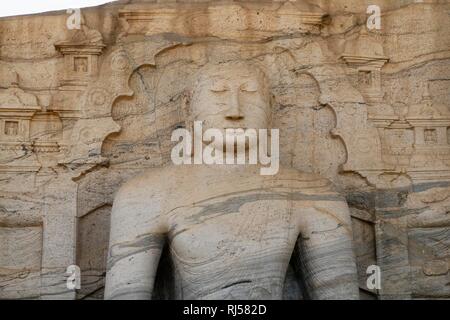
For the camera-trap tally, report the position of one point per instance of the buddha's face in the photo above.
(231, 95)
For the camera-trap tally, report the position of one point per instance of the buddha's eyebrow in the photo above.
(218, 83)
(250, 81)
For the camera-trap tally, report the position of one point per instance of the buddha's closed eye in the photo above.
(219, 88)
(249, 87)
(246, 87)
(215, 90)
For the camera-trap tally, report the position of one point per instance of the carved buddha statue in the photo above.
(230, 232)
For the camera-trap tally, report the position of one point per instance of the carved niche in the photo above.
(81, 54)
(29, 134)
(414, 139)
(365, 57)
(17, 108)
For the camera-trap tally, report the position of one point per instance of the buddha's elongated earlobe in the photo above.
(186, 110)
(271, 108)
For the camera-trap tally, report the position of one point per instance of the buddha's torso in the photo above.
(232, 231)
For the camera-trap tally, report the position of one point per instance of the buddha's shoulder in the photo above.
(298, 174)
(170, 178)
(304, 180)
(157, 178)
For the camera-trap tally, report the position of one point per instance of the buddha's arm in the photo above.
(327, 258)
(136, 243)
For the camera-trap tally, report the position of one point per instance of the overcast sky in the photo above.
(18, 7)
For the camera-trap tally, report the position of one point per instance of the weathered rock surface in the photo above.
(84, 111)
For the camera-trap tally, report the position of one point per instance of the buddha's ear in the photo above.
(186, 111)
(272, 101)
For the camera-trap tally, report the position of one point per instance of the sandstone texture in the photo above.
(87, 179)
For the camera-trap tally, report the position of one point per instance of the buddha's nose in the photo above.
(234, 111)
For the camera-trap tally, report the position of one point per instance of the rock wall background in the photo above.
(82, 111)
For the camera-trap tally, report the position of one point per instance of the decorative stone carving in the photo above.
(16, 111)
(224, 20)
(93, 114)
(430, 122)
(96, 123)
(248, 215)
(80, 53)
(365, 55)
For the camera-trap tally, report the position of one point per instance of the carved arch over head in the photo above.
(96, 102)
(359, 136)
(122, 60)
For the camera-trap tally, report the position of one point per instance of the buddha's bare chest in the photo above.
(232, 230)
(230, 242)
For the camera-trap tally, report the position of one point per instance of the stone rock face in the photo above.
(87, 115)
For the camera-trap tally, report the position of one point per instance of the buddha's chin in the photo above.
(234, 131)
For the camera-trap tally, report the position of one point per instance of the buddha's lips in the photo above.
(236, 128)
